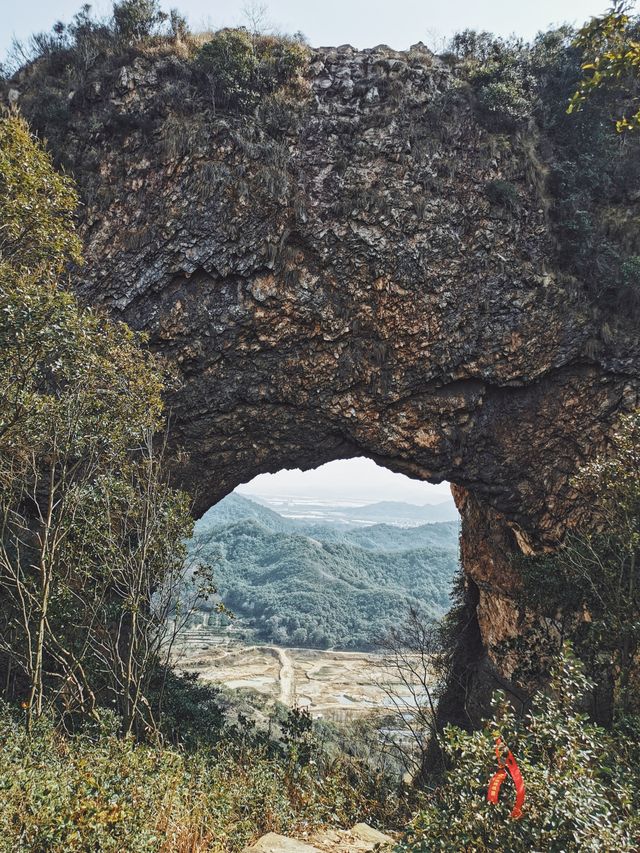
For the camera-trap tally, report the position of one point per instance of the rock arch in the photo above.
(339, 283)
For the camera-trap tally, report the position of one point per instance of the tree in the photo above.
(230, 64)
(413, 665)
(611, 48)
(135, 20)
(90, 536)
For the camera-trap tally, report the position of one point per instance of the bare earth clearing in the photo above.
(331, 684)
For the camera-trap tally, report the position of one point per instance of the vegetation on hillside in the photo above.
(588, 176)
(611, 45)
(200, 77)
(319, 585)
(589, 590)
(90, 534)
(581, 778)
(98, 791)
(93, 539)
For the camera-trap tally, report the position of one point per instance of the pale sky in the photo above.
(347, 479)
(333, 22)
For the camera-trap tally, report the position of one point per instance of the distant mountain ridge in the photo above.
(323, 584)
(388, 511)
(401, 513)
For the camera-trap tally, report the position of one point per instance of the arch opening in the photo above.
(317, 567)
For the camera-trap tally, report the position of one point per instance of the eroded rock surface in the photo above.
(330, 279)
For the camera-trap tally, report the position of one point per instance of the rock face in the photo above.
(331, 279)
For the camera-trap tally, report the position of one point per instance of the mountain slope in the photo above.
(321, 585)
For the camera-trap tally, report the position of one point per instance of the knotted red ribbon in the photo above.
(498, 778)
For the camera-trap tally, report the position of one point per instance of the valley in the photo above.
(333, 685)
(312, 586)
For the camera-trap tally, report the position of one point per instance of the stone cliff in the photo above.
(331, 276)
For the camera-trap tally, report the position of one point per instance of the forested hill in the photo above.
(323, 584)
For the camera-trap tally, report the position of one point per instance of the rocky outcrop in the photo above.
(360, 839)
(330, 277)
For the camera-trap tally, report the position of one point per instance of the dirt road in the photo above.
(287, 678)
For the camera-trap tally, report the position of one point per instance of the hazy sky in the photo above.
(332, 22)
(347, 479)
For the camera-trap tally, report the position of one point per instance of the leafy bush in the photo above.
(499, 73)
(502, 193)
(188, 711)
(281, 60)
(240, 68)
(581, 781)
(101, 792)
(513, 82)
(597, 572)
(474, 45)
(503, 103)
(92, 540)
(230, 64)
(135, 20)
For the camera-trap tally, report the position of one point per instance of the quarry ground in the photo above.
(332, 684)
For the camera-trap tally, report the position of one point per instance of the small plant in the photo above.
(229, 62)
(629, 295)
(241, 68)
(503, 104)
(178, 27)
(502, 193)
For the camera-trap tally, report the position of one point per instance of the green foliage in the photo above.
(589, 174)
(503, 103)
(581, 782)
(273, 572)
(590, 588)
(282, 60)
(500, 78)
(36, 206)
(611, 47)
(475, 46)
(188, 711)
(136, 20)
(98, 791)
(229, 61)
(502, 193)
(91, 539)
(241, 68)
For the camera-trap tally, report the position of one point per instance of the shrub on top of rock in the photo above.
(240, 67)
(502, 193)
(135, 20)
(229, 62)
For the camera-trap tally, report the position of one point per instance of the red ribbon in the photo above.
(498, 778)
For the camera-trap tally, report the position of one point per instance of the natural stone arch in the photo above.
(340, 284)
